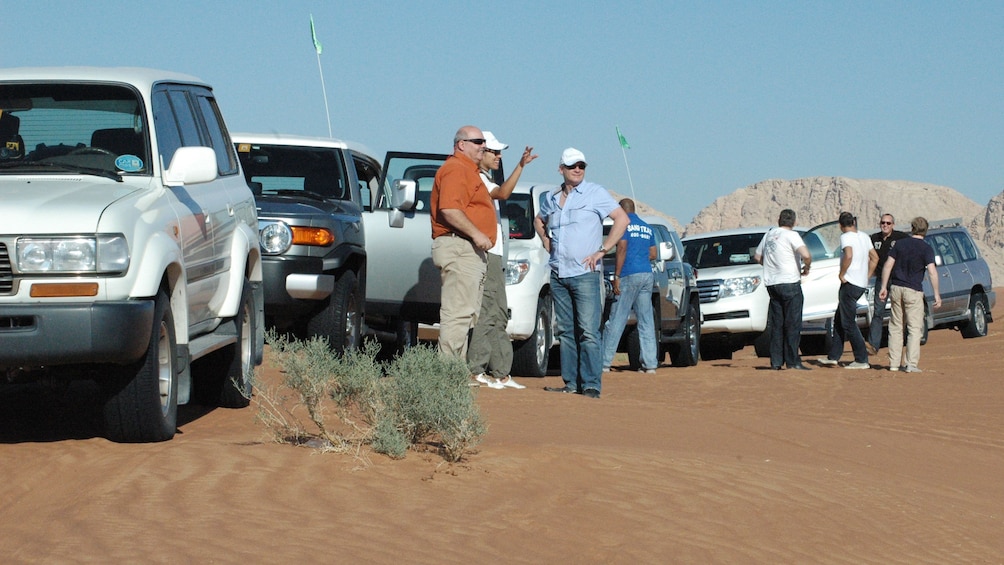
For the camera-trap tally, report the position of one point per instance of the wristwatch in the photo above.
(603, 250)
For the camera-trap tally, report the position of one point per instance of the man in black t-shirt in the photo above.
(883, 240)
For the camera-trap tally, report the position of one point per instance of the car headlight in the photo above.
(103, 253)
(738, 286)
(516, 271)
(274, 237)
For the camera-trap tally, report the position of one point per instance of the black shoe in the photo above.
(564, 389)
(591, 393)
(776, 368)
(800, 367)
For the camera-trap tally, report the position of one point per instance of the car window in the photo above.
(520, 214)
(226, 162)
(943, 246)
(368, 177)
(823, 241)
(967, 250)
(278, 169)
(721, 251)
(90, 126)
(418, 167)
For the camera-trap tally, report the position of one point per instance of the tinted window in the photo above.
(943, 246)
(277, 169)
(368, 176)
(721, 251)
(520, 214)
(967, 249)
(168, 136)
(225, 160)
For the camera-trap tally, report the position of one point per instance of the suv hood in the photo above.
(294, 206)
(74, 203)
(729, 272)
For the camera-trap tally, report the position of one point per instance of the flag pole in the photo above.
(324, 92)
(624, 145)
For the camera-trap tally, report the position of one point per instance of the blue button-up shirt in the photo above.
(575, 229)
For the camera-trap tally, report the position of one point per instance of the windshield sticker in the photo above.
(129, 163)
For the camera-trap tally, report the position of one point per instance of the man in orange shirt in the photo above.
(463, 230)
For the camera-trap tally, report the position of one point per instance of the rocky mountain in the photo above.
(821, 199)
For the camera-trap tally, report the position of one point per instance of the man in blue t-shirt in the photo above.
(633, 286)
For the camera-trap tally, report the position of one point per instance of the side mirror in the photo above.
(666, 251)
(403, 194)
(191, 165)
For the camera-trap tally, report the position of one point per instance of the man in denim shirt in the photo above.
(570, 224)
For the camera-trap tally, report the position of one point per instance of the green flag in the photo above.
(313, 35)
(620, 137)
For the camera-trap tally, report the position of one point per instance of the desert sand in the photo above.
(726, 462)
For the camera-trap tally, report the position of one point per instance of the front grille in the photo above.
(6, 274)
(708, 289)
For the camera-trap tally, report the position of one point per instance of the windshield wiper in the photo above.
(61, 167)
(307, 193)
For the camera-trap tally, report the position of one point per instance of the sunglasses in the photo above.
(494, 151)
(576, 166)
(885, 223)
(477, 141)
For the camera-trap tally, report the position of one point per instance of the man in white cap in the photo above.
(570, 224)
(490, 352)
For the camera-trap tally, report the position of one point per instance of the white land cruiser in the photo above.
(734, 300)
(129, 243)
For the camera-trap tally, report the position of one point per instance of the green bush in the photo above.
(423, 399)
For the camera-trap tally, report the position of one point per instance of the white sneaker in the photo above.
(489, 381)
(509, 382)
(856, 365)
(647, 371)
(912, 369)
(893, 369)
(827, 361)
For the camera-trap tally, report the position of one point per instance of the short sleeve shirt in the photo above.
(458, 185)
(576, 229)
(882, 246)
(781, 260)
(861, 245)
(639, 237)
(912, 256)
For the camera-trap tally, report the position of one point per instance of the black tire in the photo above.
(687, 352)
(715, 349)
(142, 398)
(340, 319)
(761, 345)
(530, 357)
(224, 378)
(977, 324)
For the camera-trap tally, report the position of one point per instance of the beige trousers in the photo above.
(907, 310)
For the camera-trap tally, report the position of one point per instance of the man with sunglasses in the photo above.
(490, 352)
(570, 224)
(463, 230)
(882, 240)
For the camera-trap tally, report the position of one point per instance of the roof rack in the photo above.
(948, 223)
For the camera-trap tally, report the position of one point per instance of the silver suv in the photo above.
(964, 281)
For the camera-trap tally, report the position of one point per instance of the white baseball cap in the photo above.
(491, 142)
(570, 156)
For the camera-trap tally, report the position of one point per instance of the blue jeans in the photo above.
(578, 310)
(784, 320)
(636, 294)
(845, 327)
(875, 329)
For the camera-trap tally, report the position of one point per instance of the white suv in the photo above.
(734, 300)
(129, 243)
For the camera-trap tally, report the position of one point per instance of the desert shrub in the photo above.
(348, 402)
(429, 399)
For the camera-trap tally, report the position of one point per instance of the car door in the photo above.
(952, 275)
(669, 277)
(204, 209)
(401, 279)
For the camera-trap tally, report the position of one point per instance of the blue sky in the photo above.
(712, 96)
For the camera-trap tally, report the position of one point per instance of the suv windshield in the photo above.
(284, 169)
(82, 128)
(520, 214)
(721, 251)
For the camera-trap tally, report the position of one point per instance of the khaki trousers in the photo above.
(907, 310)
(462, 271)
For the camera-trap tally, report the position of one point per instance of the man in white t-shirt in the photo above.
(779, 252)
(490, 352)
(857, 262)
